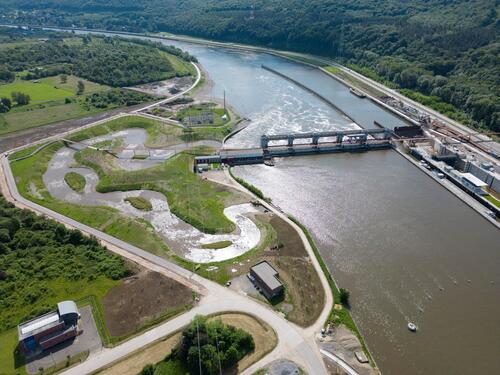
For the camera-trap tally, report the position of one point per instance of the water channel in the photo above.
(407, 249)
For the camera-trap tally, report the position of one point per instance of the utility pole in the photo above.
(224, 101)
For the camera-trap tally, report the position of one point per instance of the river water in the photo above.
(406, 249)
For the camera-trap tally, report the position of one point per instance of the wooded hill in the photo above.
(111, 61)
(447, 50)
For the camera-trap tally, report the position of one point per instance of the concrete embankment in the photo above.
(311, 91)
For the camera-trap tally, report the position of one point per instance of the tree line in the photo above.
(35, 251)
(210, 345)
(111, 61)
(445, 50)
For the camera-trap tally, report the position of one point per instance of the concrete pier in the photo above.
(339, 141)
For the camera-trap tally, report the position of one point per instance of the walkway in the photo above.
(294, 342)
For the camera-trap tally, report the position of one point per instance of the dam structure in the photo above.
(297, 144)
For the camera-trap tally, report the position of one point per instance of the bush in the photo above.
(344, 297)
(219, 345)
(20, 98)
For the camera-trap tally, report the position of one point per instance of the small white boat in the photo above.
(412, 327)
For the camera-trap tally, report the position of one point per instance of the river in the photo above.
(406, 249)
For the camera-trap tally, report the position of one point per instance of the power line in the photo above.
(218, 352)
(199, 350)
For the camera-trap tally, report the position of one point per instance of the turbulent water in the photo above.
(181, 237)
(407, 249)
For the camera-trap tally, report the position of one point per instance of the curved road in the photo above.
(294, 342)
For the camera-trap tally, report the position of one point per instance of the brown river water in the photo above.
(406, 248)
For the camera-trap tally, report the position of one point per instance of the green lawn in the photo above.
(182, 68)
(192, 199)
(75, 181)
(40, 91)
(10, 361)
(35, 116)
(71, 84)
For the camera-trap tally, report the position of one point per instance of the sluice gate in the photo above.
(292, 144)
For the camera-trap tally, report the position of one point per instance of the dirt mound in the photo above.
(141, 298)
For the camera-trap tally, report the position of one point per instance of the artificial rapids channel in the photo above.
(407, 249)
(181, 237)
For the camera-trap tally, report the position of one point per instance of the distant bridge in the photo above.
(333, 142)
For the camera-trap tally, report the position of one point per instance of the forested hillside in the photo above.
(446, 49)
(111, 61)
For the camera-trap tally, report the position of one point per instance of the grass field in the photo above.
(181, 67)
(71, 84)
(264, 337)
(10, 361)
(217, 245)
(41, 91)
(493, 200)
(75, 181)
(37, 115)
(140, 203)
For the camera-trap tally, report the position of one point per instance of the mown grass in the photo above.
(71, 84)
(140, 203)
(182, 68)
(40, 91)
(32, 117)
(75, 181)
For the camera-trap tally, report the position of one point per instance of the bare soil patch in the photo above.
(304, 295)
(141, 298)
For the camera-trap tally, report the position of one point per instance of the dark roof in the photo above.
(267, 274)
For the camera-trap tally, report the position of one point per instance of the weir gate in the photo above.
(296, 144)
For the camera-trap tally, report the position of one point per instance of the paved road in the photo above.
(24, 137)
(294, 342)
(198, 78)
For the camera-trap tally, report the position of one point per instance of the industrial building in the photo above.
(49, 329)
(472, 183)
(266, 278)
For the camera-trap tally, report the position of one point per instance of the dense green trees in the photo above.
(6, 75)
(116, 98)
(5, 105)
(20, 98)
(209, 344)
(35, 252)
(111, 61)
(439, 48)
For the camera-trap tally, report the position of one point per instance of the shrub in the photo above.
(344, 296)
